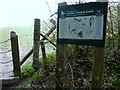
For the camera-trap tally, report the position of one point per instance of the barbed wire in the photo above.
(5, 41)
(27, 35)
(5, 52)
(6, 72)
(9, 39)
(6, 62)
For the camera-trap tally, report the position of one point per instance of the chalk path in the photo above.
(6, 69)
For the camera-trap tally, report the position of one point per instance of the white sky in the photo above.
(23, 12)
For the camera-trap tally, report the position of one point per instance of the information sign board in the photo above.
(82, 24)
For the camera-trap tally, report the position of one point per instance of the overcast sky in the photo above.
(23, 12)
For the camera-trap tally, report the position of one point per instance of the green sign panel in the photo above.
(82, 24)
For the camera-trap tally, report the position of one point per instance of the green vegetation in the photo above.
(25, 36)
(27, 69)
(80, 69)
(79, 61)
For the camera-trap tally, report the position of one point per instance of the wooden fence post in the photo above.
(36, 44)
(44, 58)
(98, 68)
(31, 51)
(43, 51)
(15, 54)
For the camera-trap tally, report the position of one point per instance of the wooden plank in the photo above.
(36, 44)
(26, 57)
(9, 80)
(15, 54)
(47, 39)
(98, 68)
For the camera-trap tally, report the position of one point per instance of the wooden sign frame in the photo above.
(69, 14)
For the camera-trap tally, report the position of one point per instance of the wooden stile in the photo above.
(31, 51)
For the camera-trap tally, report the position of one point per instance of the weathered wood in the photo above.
(45, 65)
(98, 68)
(49, 32)
(47, 39)
(9, 80)
(36, 44)
(98, 65)
(43, 51)
(61, 63)
(60, 66)
(15, 54)
(26, 57)
(31, 51)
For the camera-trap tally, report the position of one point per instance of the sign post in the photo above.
(98, 65)
(98, 68)
(83, 24)
(60, 63)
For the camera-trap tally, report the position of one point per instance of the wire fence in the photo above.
(3, 61)
(5, 52)
(6, 49)
(6, 72)
(4, 41)
(6, 62)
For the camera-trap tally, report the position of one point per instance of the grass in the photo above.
(25, 35)
(27, 69)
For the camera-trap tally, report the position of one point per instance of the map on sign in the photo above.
(81, 27)
(82, 24)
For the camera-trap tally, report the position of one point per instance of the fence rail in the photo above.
(46, 35)
(17, 63)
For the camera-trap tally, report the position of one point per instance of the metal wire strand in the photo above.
(6, 72)
(5, 52)
(6, 62)
(5, 41)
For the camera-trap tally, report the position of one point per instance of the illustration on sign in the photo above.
(81, 27)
